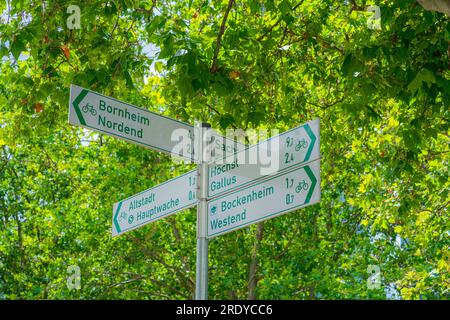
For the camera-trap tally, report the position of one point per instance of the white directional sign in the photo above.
(155, 203)
(95, 111)
(289, 149)
(92, 110)
(238, 185)
(296, 188)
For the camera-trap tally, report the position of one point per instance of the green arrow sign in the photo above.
(155, 203)
(294, 189)
(277, 154)
(107, 115)
(104, 114)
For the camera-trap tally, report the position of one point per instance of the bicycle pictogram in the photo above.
(123, 216)
(89, 108)
(301, 144)
(301, 185)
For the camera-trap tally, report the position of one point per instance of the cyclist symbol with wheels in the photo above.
(301, 144)
(301, 185)
(123, 216)
(89, 108)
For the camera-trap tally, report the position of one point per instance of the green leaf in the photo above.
(128, 79)
(225, 121)
(288, 18)
(17, 46)
(159, 66)
(423, 75)
(351, 65)
(256, 116)
(269, 5)
(157, 22)
(411, 139)
(196, 84)
(254, 6)
(3, 51)
(284, 7)
(443, 83)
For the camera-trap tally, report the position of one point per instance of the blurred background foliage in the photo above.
(382, 96)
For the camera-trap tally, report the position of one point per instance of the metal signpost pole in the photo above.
(201, 283)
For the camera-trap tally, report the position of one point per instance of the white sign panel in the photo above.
(223, 147)
(155, 203)
(272, 197)
(279, 153)
(92, 110)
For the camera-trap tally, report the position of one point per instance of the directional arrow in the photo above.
(116, 222)
(76, 105)
(312, 138)
(313, 180)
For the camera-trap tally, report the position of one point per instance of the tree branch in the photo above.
(219, 37)
(147, 12)
(186, 280)
(278, 22)
(326, 105)
(213, 109)
(327, 44)
(176, 233)
(216, 111)
(253, 272)
(139, 277)
(124, 282)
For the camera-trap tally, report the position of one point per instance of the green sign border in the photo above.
(76, 105)
(116, 223)
(84, 92)
(313, 138)
(307, 199)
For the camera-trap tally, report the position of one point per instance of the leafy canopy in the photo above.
(382, 96)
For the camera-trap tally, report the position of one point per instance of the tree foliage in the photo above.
(382, 96)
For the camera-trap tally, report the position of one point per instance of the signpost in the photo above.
(155, 203)
(92, 110)
(201, 281)
(229, 194)
(107, 115)
(267, 199)
(289, 149)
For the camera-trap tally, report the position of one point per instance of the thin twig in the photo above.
(148, 12)
(213, 109)
(327, 44)
(216, 111)
(325, 105)
(115, 25)
(124, 282)
(189, 284)
(278, 22)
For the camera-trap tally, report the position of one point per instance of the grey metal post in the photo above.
(201, 281)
